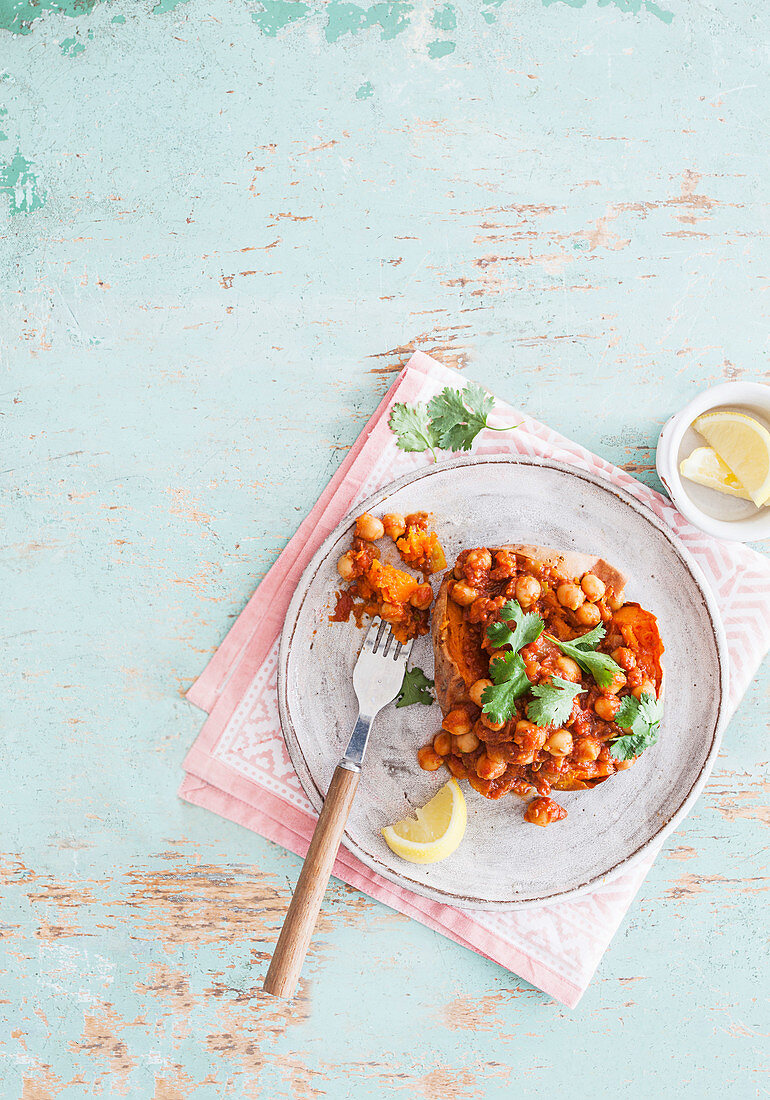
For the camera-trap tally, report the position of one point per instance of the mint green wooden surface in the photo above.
(224, 227)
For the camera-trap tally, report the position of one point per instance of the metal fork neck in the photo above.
(354, 754)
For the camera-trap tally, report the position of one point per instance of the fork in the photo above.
(377, 677)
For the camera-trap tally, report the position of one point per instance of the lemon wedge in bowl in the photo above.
(744, 445)
(435, 831)
(705, 467)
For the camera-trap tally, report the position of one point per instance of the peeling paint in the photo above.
(21, 185)
(277, 14)
(634, 7)
(391, 16)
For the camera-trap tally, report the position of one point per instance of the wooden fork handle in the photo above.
(294, 940)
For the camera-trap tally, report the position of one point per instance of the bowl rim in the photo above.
(751, 528)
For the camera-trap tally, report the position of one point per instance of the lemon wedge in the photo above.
(744, 445)
(705, 467)
(434, 832)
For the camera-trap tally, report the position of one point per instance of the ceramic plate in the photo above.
(504, 862)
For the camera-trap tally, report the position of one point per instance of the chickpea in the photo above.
(496, 653)
(543, 811)
(489, 769)
(490, 724)
(463, 594)
(479, 560)
(467, 742)
(634, 678)
(624, 657)
(391, 612)
(442, 743)
(496, 753)
(346, 568)
(618, 682)
(645, 688)
(569, 595)
(477, 689)
(586, 750)
(428, 759)
(394, 525)
(422, 597)
(607, 706)
(457, 722)
(592, 586)
(369, 528)
(614, 602)
(527, 590)
(521, 729)
(588, 614)
(568, 669)
(559, 743)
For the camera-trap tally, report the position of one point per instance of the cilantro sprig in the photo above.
(552, 703)
(507, 672)
(412, 426)
(641, 717)
(527, 627)
(584, 652)
(415, 688)
(510, 682)
(451, 420)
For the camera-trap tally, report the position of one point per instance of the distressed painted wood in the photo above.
(224, 227)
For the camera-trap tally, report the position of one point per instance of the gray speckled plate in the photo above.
(503, 861)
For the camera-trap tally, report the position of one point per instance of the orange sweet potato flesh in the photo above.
(421, 549)
(393, 585)
(640, 631)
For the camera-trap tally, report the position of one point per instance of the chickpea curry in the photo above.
(548, 680)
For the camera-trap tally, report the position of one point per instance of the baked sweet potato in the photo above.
(572, 593)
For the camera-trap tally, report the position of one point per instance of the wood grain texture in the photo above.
(224, 226)
(302, 915)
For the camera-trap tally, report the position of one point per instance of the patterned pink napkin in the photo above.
(239, 767)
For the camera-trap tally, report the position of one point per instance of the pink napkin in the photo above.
(239, 767)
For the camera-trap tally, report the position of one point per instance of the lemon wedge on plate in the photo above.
(705, 467)
(435, 831)
(744, 445)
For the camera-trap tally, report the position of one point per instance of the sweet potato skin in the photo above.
(450, 685)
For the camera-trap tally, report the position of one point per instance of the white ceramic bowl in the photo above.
(715, 513)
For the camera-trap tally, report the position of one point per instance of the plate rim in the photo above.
(302, 769)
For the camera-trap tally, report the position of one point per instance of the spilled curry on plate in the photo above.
(547, 679)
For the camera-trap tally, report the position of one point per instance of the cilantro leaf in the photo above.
(412, 427)
(552, 703)
(583, 650)
(510, 682)
(528, 626)
(591, 639)
(457, 416)
(642, 718)
(415, 689)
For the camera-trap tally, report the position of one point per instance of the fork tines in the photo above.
(378, 633)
